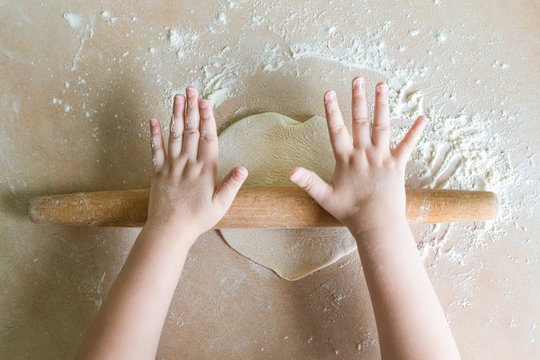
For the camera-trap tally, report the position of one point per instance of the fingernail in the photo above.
(296, 175)
(382, 89)
(178, 99)
(153, 122)
(331, 95)
(203, 104)
(358, 83)
(190, 91)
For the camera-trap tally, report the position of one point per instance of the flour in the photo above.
(222, 18)
(85, 29)
(441, 37)
(499, 64)
(180, 41)
(73, 20)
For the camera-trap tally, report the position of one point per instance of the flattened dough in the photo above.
(270, 145)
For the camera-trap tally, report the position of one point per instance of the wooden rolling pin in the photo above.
(256, 207)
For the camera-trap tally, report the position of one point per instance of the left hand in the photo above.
(184, 195)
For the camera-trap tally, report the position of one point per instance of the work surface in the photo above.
(81, 79)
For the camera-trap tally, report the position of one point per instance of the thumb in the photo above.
(404, 149)
(316, 187)
(229, 186)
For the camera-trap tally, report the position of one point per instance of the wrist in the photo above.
(389, 238)
(361, 225)
(174, 237)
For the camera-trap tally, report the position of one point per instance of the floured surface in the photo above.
(270, 145)
(77, 91)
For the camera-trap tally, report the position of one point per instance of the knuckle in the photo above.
(231, 181)
(337, 129)
(333, 110)
(360, 120)
(190, 104)
(381, 126)
(205, 116)
(308, 182)
(191, 131)
(175, 135)
(208, 136)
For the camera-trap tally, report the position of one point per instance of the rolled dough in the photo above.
(270, 145)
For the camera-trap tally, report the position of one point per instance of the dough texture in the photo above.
(270, 145)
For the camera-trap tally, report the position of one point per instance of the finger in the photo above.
(208, 142)
(177, 126)
(158, 150)
(404, 149)
(360, 120)
(380, 133)
(339, 136)
(316, 187)
(190, 142)
(229, 186)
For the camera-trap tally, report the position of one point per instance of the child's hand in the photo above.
(368, 186)
(184, 197)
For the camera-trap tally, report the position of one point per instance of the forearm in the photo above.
(130, 321)
(410, 321)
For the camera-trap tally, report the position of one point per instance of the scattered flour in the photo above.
(441, 37)
(86, 30)
(500, 64)
(73, 20)
(96, 290)
(222, 18)
(180, 41)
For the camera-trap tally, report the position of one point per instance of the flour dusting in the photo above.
(180, 41)
(73, 20)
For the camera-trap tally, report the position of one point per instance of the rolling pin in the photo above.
(256, 207)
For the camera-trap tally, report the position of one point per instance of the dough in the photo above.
(270, 145)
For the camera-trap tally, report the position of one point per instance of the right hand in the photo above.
(185, 199)
(367, 189)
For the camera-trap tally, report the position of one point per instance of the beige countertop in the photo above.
(80, 80)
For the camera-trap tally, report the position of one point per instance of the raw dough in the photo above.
(270, 145)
